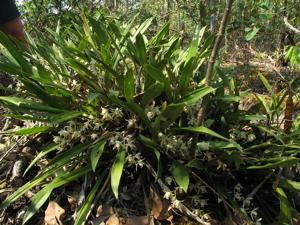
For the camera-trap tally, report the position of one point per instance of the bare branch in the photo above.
(290, 26)
(209, 73)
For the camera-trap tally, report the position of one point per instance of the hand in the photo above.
(14, 28)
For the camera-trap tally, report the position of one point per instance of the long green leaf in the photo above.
(141, 49)
(155, 147)
(290, 184)
(116, 172)
(129, 86)
(281, 162)
(285, 216)
(52, 147)
(87, 205)
(204, 130)
(194, 96)
(152, 92)
(207, 131)
(24, 104)
(41, 197)
(160, 35)
(96, 153)
(65, 116)
(37, 202)
(32, 130)
(181, 175)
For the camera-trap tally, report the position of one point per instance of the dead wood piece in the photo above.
(290, 26)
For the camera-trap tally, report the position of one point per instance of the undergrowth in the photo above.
(115, 101)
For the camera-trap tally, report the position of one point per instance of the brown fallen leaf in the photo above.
(113, 220)
(53, 214)
(104, 210)
(159, 207)
(138, 220)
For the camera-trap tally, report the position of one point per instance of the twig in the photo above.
(256, 189)
(12, 148)
(290, 26)
(98, 195)
(180, 206)
(212, 189)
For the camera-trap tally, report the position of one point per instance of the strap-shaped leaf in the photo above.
(141, 49)
(116, 172)
(204, 130)
(160, 35)
(86, 208)
(155, 147)
(27, 131)
(285, 216)
(96, 153)
(37, 202)
(276, 163)
(207, 131)
(129, 86)
(41, 197)
(194, 45)
(25, 105)
(152, 92)
(194, 96)
(181, 175)
(52, 147)
(290, 184)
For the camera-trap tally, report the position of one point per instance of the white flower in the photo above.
(160, 134)
(105, 114)
(167, 195)
(94, 136)
(56, 139)
(97, 126)
(118, 145)
(86, 125)
(117, 113)
(131, 123)
(203, 189)
(238, 187)
(76, 134)
(63, 133)
(253, 214)
(169, 180)
(82, 139)
(247, 202)
(176, 203)
(203, 203)
(150, 115)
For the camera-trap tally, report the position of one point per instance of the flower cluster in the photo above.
(175, 143)
(121, 140)
(198, 199)
(135, 160)
(76, 131)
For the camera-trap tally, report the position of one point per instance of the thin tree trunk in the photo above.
(209, 73)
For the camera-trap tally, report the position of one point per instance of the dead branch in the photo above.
(209, 73)
(290, 26)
